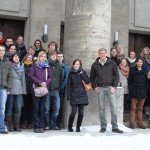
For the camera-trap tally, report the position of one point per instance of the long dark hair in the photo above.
(37, 40)
(79, 60)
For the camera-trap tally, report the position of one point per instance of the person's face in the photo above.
(16, 58)
(53, 57)
(43, 58)
(132, 55)
(37, 44)
(123, 62)
(118, 49)
(20, 40)
(9, 41)
(60, 57)
(12, 49)
(139, 63)
(145, 51)
(113, 52)
(31, 51)
(2, 51)
(102, 55)
(76, 65)
(29, 58)
(52, 46)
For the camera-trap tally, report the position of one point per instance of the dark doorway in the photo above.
(62, 37)
(12, 28)
(138, 41)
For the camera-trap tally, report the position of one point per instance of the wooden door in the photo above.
(12, 28)
(138, 41)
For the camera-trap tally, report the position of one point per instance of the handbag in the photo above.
(87, 86)
(40, 91)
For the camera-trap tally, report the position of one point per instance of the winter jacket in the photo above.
(38, 75)
(18, 81)
(5, 74)
(65, 71)
(76, 92)
(56, 75)
(104, 75)
(137, 82)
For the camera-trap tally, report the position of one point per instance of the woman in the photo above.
(11, 51)
(131, 59)
(38, 47)
(76, 93)
(27, 110)
(145, 52)
(123, 73)
(41, 75)
(138, 91)
(15, 99)
(118, 48)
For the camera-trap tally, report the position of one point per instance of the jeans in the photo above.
(3, 99)
(14, 104)
(105, 91)
(52, 108)
(38, 111)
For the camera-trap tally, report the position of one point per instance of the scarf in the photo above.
(124, 70)
(43, 64)
(131, 60)
(1, 41)
(20, 46)
(28, 63)
(16, 66)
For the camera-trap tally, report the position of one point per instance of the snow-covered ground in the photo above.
(88, 139)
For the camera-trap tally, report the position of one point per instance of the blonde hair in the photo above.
(39, 55)
(142, 53)
(121, 49)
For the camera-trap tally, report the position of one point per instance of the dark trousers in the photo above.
(74, 110)
(38, 111)
(27, 109)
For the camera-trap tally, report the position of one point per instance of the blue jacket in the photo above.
(65, 71)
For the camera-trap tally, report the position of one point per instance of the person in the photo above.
(113, 55)
(5, 86)
(11, 51)
(9, 40)
(31, 50)
(2, 42)
(41, 75)
(38, 47)
(118, 48)
(145, 52)
(53, 99)
(27, 109)
(131, 59)
(15, 98)
(52, 46)
(123, 74)
(20, 47)
(65, 71)
(105, 78)
(76, 93)
(137, 82)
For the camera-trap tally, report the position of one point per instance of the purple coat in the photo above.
(38, 75)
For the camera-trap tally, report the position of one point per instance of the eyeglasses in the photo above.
(1, 50)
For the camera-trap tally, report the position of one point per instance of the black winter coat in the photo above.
(76, 92)
(137, 82)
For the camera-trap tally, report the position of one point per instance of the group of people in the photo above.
(24, 70)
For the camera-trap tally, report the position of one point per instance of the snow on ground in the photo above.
(88, 139)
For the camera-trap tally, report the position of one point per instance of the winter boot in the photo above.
(17, 123)
(9, 122)
(79, 122)
(70, 123)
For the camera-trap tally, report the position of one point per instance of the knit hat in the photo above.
(1, 33)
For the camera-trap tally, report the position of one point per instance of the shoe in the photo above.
(117, 130)
(41, 130)
(36, 130)
(132, 126)
(141, 126)
(70, 130)
(55, 128)
(46, 128)
(4, 132)
(78, 129)
(102, 130)
(124, 120)
(29, 126)
(23, 126)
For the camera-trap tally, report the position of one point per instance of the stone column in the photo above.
(87, 29)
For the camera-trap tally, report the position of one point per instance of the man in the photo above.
(9, 40)
(105, 77)
(52, 46)
(53, 99)
(65, 70)
(5, 85)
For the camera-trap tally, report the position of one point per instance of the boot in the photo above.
(70, 123)
(9, 122)
(79, 122)
(132, 113)
(17, 123)
(140, 113)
